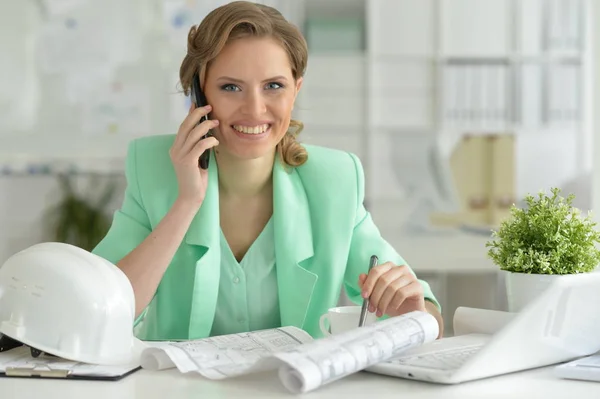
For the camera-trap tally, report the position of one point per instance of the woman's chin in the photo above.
(248, 152)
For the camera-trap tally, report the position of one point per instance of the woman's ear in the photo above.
(298, 85)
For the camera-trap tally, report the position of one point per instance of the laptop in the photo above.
(562, 324)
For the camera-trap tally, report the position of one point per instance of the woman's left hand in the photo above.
(392, 290)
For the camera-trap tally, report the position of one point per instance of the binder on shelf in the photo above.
(476, 96)
(530, 86)
(563, 106)
(564, 25)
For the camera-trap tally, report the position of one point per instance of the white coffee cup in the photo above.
(343, 318)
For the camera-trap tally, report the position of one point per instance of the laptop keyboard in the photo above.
(449, 359)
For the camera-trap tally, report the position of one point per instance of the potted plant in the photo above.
(81, 220)
(547, 239)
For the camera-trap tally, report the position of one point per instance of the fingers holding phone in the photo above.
(194, 117)
(192, 141)
(201, 130)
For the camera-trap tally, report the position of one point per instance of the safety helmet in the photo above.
(70, 303)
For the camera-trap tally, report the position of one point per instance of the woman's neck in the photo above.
(245, 178)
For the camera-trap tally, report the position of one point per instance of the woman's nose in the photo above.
(254, 103)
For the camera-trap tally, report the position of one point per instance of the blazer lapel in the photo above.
(204, 232)
(293, 245)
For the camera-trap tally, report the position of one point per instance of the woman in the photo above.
(272, 230)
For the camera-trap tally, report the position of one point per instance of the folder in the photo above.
(18, 362)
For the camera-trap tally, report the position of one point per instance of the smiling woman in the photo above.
(253, 101)
(272, 230)
(251, 50)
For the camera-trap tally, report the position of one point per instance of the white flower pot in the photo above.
(522, 288)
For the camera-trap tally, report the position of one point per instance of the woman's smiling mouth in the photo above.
(257, 129)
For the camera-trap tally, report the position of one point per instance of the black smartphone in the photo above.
(199, 100)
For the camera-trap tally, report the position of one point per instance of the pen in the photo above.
(365, 305)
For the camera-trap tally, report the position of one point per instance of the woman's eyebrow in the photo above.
(234, 80)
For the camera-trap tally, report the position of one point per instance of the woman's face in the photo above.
(252, 92)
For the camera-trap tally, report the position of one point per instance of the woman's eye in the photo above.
(274, 85)
(230, 87)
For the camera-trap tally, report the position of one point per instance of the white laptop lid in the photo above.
(562, 324)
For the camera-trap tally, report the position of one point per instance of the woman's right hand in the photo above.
(185, 153)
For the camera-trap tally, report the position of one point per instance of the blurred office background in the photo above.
(457, 109)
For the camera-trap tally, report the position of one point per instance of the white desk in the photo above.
(171, 384)
(459, 253)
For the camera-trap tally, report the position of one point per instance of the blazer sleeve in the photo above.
(130, 224)
(367, 241)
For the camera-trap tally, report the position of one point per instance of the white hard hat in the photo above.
(68, 302)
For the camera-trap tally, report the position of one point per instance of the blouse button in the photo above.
(236, 280)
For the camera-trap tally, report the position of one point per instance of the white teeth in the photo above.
(251, 129)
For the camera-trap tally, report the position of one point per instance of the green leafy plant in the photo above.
(550, 236)
(77, 220)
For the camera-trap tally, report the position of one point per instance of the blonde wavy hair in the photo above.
(246, 19)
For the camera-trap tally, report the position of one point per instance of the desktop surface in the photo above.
(146, 384)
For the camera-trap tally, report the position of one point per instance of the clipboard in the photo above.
(49, 373)
(18, 363)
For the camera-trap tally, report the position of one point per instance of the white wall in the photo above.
(595, 18)
(20, 202)
(544, 160)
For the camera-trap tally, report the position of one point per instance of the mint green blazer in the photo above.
(324, 238)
